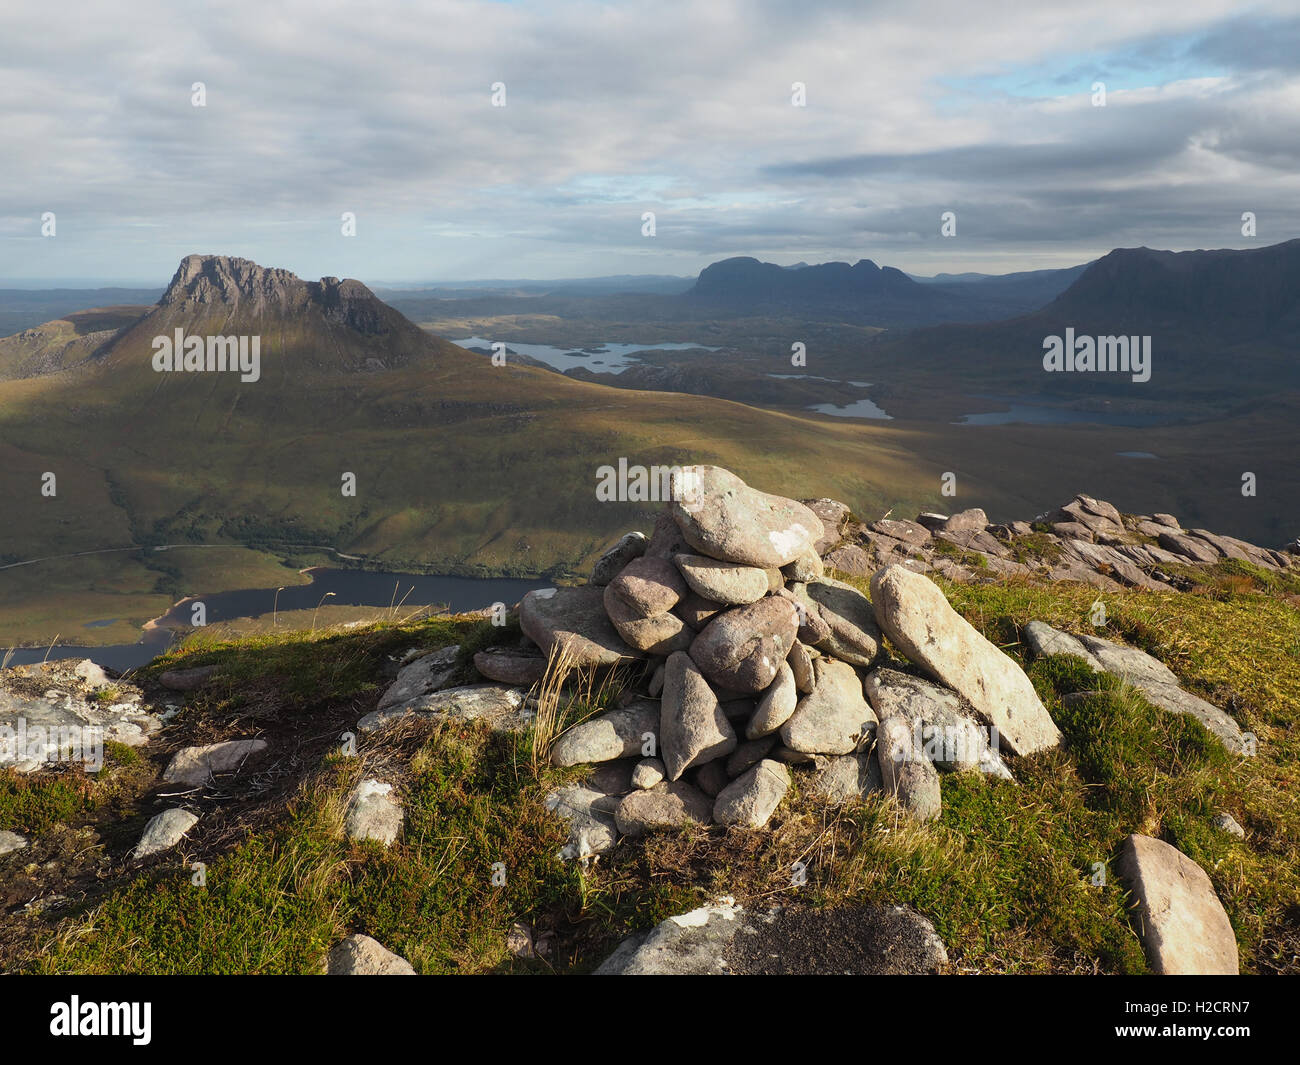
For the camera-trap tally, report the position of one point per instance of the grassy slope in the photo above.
(1005, 875)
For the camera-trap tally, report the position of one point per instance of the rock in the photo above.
(519, 940)
(165, 831)
(801, 665)
(648, 773)
(666, 805)
(905, 772)
(722, 517)
(666, 540)
(655, 685)
(1188, 546)
(775, 705)
(852, 560)
(500, 706)
(973, 520)
(428, 674)
(656, 634)
(1045, 640)
(611, 563)
(693, 729)
(912, 533)
(1181, 922)
(813, 628)
(1167, 520)
(618, 733)
(11, 841)
(372, 813)
(807, 567)
(931, 520)
(197, 765)
(92, 674)
(743, 648)
(646, 586)
(184, 680)
(781, 753)
(748, 753)
(723, 582)
(843, 777)
(612, 778)
(362, 956)
(590, 816)
(574, 618)
(689, 945)
(519, 666)
(711, 778)
(1225, 821)
(834, 717)
(945, 730)
(752, 798)
(854, 635)
(914, 614)
(697, 611)
(834, 516)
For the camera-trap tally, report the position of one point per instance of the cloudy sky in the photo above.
(685, 109)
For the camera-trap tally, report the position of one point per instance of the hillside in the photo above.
(1174, 728)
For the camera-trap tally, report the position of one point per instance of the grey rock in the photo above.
(834, 718)
(801, 665)
(648, 773)
(722, 517)
(973, 520)
(1045, 640)
(692, 944)
(197, 765)
(842, 778)
(752, 798)
(748, 753)
(743, 648)
(590, 816)
(373, 813)
(656, 634)
(666, 805)
(610, 564)
(618, 733)
(905, 772)
(807, 567)
(693, 728)
(165, 831)
(775, 705)
(723, 582)
(646, 586)
(854, 635)
(574, 618)
(11, 841)
(430, 673)
(502, 707)
(362, 956)
(519, 666)
(711, 778)
(920, 622)
(1229, 824)
(1180, 920)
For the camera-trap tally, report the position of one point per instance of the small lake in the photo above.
(1136, 455)
(862, 408)
(599, 358)
(349, 588)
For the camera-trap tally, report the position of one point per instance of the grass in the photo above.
(1015, 878)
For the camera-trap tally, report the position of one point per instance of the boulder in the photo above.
(198, 765)
(743, 648)
(690, 945)
(519, 666)
(165, 831)
(842, 778)
(611, 563)
(362, 956)
(1180, 920)
(697, 611)
(723, 582)
(666, 540)
(426, 674)
(854, 635)
(752, 798)
(915, 615)
(656, 634)
(502, 707)
(648, 773)
(722, 517)
(619, 733)
(646, 586)
(905, 772)
(574, 618)
(775, 705)
(748, 753)
(590, 816)
(373, 813)
(973, 520)
(834, 718)
(666, 805)
(693, 728)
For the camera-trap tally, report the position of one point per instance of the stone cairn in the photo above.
(758, 662)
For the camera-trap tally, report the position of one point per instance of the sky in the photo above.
(611, 110)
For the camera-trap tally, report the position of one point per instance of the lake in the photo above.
(610, 358)
(1033, 414)
(350, 588)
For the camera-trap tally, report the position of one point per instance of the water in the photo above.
(1136, 455)
(350, 588)
(611, 358)
(1031, 414)
(862, 408)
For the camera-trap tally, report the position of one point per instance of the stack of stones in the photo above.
(757, 663)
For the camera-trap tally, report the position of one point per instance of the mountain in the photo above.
(22, 308)
(871, 294)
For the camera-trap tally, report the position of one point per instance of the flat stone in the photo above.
(743, 648)
(666, 805)
(776, 704)
(834, 718)
(843, 778)
(752, 798)
(198, 765)
(854, 635)
(722, 517)
(430, 673)
(610, 564)
(590, 817)
(646, 586)
(502, 707)
(165, 831)
(618, 733)
(184, 680)
(1188, 546)
(519, 666)
(723, 582)
(973, 520)
(373, 813)
(574, 618)
(362, 956)
(693, 728)
(689, 945)
(1180, 920)
(920, 622)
